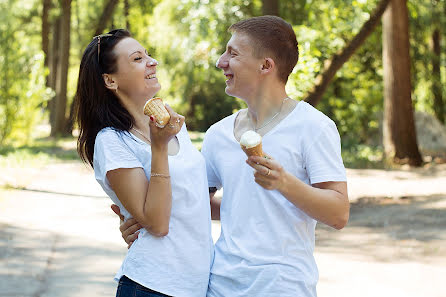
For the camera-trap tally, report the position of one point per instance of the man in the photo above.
(268, 218)
(268, 215)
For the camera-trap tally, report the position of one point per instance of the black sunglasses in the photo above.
(99, 42)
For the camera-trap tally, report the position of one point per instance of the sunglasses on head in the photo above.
(99, 41)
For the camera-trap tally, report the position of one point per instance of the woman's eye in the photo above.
(138, 58)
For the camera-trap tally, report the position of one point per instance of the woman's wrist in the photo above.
(159, 148)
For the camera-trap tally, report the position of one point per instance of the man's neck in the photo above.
(266, 103)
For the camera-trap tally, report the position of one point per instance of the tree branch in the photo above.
(332, 65)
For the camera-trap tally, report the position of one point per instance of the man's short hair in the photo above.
(271, 36)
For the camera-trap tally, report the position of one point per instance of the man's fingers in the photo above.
(117, 211)
(130, 222)
(131, 238)
(129, 227)
(265, 161)
(130, 230)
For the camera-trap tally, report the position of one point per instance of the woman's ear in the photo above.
(109, 82)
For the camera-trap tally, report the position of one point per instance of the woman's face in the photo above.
(136, 74)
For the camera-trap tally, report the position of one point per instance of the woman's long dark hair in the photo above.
(96, 106)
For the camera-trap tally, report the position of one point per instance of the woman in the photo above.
(154, 175)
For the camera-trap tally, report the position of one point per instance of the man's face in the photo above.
(240, 67)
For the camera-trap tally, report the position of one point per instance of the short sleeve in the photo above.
(111, 152)
(323, 159)
(207, 151)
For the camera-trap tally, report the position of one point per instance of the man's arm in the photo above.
(129, 229)
(326, 202)
(215, 204)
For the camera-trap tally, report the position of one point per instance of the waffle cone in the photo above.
(155, 107)
(253, 151)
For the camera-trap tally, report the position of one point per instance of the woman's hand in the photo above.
(268, 172)
(162, 136)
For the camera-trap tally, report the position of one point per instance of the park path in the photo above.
(59, 238)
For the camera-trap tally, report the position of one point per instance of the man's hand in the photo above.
(268, 172)
(129, 229)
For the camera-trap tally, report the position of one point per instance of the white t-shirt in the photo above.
(177, 264)
(266, 243)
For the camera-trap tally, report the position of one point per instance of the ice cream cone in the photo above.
(251, 143)
(155, 107)
(253, 151)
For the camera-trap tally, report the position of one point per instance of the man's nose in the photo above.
(222, 62)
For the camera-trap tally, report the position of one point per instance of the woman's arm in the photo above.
(149, 201)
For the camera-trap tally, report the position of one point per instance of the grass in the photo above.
(364, 157)
(196, 138)
(38, 152)
(45, 150)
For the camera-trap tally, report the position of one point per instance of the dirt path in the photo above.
(59, 237)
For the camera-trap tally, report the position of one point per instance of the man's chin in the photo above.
(230, 92)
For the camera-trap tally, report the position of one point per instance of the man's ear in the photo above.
(110, 82)
(267, 66)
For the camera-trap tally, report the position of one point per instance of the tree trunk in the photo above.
(70, 121)
(270, 7)
(107, 14)
(46, 33)
(335, 63)
(399, 135)
(436, 76)
(53, 65)
(60, 103)
(126, 14)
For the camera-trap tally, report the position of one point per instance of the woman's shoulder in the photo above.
(109, 135)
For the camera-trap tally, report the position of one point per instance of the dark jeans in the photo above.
(129, 288)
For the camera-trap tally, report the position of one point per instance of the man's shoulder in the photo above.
(222, 125)
(312, 116)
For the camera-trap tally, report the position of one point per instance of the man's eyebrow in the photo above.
(230, 48)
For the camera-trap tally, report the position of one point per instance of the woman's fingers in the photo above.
(176, 120)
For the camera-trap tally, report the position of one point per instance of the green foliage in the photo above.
(189, 36)
(354, 99)
(23, 93)
(425, 17)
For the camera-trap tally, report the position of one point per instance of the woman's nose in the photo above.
(152, 62)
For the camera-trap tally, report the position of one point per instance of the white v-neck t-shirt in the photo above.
(177, 264)
(266, 243)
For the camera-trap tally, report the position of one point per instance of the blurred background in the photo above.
(341, 70)
(376, 67)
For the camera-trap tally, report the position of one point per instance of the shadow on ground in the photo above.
(38, 263)
(384, 229)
